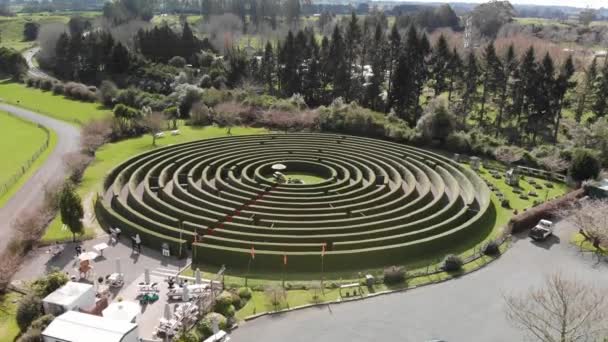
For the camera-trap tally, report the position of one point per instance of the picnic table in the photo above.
(100, 247)
(195, 289)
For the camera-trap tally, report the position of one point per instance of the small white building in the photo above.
(75, 326)
(71, 296)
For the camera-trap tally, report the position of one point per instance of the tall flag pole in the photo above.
(251, 258)
(284, 267)
(323, 266)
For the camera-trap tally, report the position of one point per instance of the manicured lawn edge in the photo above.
(486, 261)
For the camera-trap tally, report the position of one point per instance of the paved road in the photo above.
(31, 193)
(34, 71)
(468, 309)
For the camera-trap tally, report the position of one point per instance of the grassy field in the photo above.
(110, 155)
(44, 102)
(20, 140)
(11, 28)
(579, 240)
(8, 325)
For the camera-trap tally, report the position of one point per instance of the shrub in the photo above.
(42, 322)
(28, 310)
(79, 91)
(458, 142)
(438, 122)
(58, 88)
(452, 263)
(32, 335)
(200, 115)
(205, 82)
(585, 165)
(394, 275)
(244, 292)
(44, 286)
(223, 303)
(107, 93)
(46, 84)
(491, 248)
(219, 82)
(177, 62)
(205, 327)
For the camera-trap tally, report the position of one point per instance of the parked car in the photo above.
(542, 230)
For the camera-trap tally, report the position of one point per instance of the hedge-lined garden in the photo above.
(381, 203)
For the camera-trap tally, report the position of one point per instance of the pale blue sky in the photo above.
(573, 3)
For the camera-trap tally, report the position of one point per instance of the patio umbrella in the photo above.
(279, 167)
(167, 312)
(122, 311)
(197, 276)
(147, 276)
(118, 270)
(87, 256)
(185, 294)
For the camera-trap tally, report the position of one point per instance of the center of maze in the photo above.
(377, 203)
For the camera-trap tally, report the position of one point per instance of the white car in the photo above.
(542, 230)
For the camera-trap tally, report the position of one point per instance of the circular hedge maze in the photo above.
(372, 203)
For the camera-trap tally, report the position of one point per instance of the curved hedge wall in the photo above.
(381, 203)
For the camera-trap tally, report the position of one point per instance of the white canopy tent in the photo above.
(74, 326)
(122, 311)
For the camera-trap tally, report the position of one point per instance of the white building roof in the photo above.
(68, 294)
(76, 326)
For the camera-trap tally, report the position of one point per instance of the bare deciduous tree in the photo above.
(153, 122)
(509, 154)
(275, 294)
(590, 217)
(563, 310)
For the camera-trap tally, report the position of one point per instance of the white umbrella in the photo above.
(167, 312)
(197, 276)
(87, 256)
(122, 311)
(118, 266)
(147, 276)
(185, 294)
(279, 167)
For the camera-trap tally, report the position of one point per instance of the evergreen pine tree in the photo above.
(394, 49)
(337, 65)
(71, 209)
(509, 65)
(440, 63)
(563, 84)
(585, 90)
(471, 79)
(455, 72)
(267, 69)
(600, 105)
(378, 64)
(491, 79)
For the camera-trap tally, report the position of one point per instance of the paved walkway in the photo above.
(467, 309)
(132, 264)
(31, 193)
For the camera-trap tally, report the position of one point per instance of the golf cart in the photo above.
(542, 230)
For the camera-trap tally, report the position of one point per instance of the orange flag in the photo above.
(252, 252)
(285, 259)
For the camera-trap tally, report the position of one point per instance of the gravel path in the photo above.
(467, 309)
(31, 193)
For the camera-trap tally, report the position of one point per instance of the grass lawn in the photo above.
(20, 140)
(307, 178)
(44, 102)
(11, 28)
(579, 240)
(110, 155)
(8, 325)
